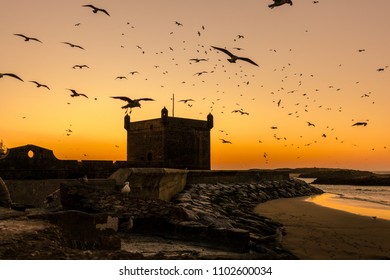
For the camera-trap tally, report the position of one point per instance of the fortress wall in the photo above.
(34, 192)
(234, 176)
(146, 183)
(161, 183)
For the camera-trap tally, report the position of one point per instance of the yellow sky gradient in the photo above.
(307, 53)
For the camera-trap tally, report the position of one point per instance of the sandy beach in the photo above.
(319, 233)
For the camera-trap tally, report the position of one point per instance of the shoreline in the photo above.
(353, 206)
(315, 232)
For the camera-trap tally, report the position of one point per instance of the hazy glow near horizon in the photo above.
(308, 56)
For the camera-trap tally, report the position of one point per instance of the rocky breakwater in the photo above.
(210, 215)
(229, 208)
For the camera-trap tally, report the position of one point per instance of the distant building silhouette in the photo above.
(3, 149)
(169, 142)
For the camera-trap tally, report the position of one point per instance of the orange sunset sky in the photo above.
(318, 63)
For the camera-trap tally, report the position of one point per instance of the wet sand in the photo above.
(316, 232)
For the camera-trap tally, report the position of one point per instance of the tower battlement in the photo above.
(169, 142)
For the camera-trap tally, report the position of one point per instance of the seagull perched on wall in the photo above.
(131, 103)
(125, 191)
(95, 9)
(279, 3)
(233, 57)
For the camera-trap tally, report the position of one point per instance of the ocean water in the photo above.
(373, 201)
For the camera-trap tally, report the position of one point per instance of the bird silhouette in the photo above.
(200, 73)
(360, 124)
(10, 75)
(240, 111)
(39, 84)
(186, 100)
(131, 103)
(26, 38)
(310, 124)
(73, 45)
(233, 57)
(225, 141)
(76, 94)
(134, 72)
(80, 66)
(96, 9)
(120, 77)
(279, 3)
(196, 60)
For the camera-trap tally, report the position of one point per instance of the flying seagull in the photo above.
(279, 3)
(186, 100)
(10, 75)
(241, 112)
(73, 45)
(80, 66)
(39, 84)
(26, 38)
(198, 59)
(310, 124)
(200, 73)
(360, 124)
(225, 141)
(131, 103)
(95, 9)
(76, 94)
(233, 57)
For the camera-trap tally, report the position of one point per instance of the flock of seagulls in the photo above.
(204, 58)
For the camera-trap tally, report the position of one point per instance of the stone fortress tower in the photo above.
(169, 142)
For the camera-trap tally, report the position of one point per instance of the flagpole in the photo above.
(173, 105)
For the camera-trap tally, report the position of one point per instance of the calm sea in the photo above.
(371, 201)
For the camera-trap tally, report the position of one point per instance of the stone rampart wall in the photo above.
(34, 192)
(234, 176)
(153, 183)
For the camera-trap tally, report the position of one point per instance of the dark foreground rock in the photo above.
(205, 221)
